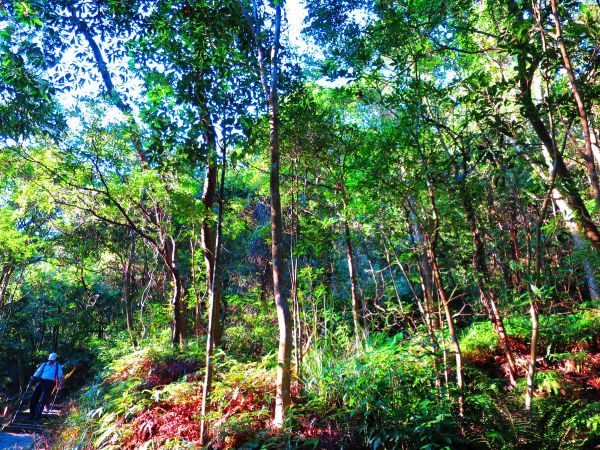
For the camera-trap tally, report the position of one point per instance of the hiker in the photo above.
(48, 377)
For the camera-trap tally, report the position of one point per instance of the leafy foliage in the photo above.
(438, 201)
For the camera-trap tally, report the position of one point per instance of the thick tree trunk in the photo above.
(568, 216)
(580, 244)
(565, 180)
(590, 273)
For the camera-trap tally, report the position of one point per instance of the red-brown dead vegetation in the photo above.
(247, 403)
(165, 422)
(517, 345)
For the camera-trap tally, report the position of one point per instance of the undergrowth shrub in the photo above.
(558, 331)
(136, 397)
(566, 425)
(251, 336)
(479, 339)
(386, 394)
(242, 400)
(494, 419)
(382, 397)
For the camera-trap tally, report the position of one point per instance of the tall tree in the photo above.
(269, 69)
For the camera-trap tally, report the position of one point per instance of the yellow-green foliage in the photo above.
(479, 339)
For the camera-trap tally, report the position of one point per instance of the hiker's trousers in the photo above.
(40, 397)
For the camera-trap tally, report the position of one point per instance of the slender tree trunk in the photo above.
(443, 298)
(444, 353)
(356, 313)
(406, 278)
(213, 317)
(297, 328)
(270, 89)
(408, 282)
(595, 145)
(283, 383)
(586, 153)
(483, 277)
(424, 265)
(514, 227)
(431, 321)
(532, 354)
(425, 277)
(169, 256)
(55, 333)
(20, 371)
(297, 324)
(526, 67)
(206, 230)
(425, 307)
(128, 293)
(377, 294)
(198, 309)
(7, 271)
(178, 313)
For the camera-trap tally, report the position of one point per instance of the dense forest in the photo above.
(379, 231)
